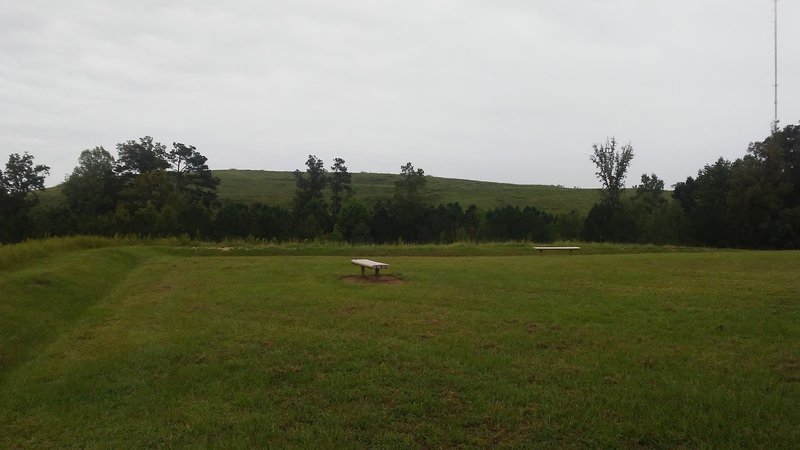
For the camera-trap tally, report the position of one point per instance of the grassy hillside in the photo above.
(278, 188)
(181, 349)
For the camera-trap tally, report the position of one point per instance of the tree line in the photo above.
(149, 189)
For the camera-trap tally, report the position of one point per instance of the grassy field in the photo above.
(480, 346)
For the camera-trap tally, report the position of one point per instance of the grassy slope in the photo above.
(46, 295)
(51, 196)
(278, 188)
(598, 350)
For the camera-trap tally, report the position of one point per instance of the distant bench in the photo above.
(370, 264)
(542, 249)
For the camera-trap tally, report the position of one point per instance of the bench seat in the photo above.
(370, 264)
(570, 249)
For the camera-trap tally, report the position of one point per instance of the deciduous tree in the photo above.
(21, 176)
(705, 201)
(612, 166)
(340, 182)
(93, 188)
(137, 157)
(192, 174)
(408, 211)
(310, 209)
(17, 184)
(410, 184)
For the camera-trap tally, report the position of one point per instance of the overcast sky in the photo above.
(498, 90)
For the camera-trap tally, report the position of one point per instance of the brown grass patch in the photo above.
(788, 370)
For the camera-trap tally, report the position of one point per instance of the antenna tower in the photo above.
(775, 14)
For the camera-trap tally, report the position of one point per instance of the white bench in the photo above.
(370, 264)
(542, 249)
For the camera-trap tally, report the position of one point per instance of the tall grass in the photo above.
(17, 255)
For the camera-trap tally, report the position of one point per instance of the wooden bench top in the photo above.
(369, 263)
(557, 248)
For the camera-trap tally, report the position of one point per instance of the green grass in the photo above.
(52, 196)
(278, 188)
(255, 247)
(18, 255)
(129, 347)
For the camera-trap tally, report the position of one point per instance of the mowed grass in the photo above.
(277, 188)
(598, 350)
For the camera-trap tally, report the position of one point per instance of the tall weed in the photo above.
(17, 255)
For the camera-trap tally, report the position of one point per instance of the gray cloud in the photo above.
(512, 91)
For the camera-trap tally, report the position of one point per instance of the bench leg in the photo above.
(377, 273)
(362, 271)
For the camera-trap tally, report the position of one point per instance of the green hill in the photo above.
(278, 188)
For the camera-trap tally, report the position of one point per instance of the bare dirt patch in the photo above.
(369, 279)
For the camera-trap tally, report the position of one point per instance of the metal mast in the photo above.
(775, 13)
